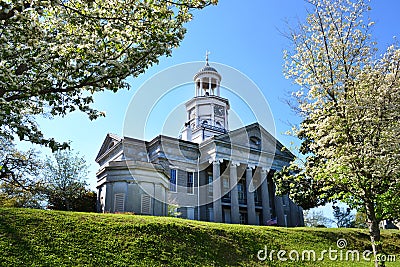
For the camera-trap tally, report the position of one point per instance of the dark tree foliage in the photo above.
(82, 200)
(342, 216)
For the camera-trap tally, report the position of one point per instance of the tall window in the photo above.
(190, 213)
(242, 218)
(172, 181)
(225, 184)
(210, 187)
(190, 183)
(225, 189)
(210, 214)
(241, 192)
(257, 197)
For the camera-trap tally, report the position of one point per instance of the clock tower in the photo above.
(207, 111)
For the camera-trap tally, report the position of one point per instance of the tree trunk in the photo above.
(374, 233)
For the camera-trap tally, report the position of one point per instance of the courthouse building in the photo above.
(209, 173)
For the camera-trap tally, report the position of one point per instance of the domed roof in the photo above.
(207, 67)
(207, 70)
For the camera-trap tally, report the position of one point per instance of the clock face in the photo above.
(219, 110)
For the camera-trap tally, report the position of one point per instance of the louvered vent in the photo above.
(146, 204)
(119, 202)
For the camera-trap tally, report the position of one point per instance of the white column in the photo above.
(266, 213)
(217, 207)
(203, 194)
(212, 115)
(251, 207)
(196, 91)
(209, 85)
(233, 180)
(226, 119)
(197, 116)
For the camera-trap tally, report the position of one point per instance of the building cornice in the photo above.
(207, 99)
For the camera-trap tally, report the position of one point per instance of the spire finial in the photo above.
(207, 53)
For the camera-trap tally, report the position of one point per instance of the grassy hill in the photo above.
(51, 238)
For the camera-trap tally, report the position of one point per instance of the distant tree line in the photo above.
(343, 217)
(57, 182)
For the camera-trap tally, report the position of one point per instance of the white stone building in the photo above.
(209, 173)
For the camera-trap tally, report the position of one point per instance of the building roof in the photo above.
(252, 139)
(207, 67)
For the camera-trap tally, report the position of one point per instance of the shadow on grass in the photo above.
(16, 250)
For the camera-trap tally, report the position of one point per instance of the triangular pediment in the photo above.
(109, 142)
(255, 137)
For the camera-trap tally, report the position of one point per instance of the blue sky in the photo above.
(242, 34)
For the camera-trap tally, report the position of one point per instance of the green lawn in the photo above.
(50, 238)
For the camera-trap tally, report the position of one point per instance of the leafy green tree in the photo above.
(87, 201)
(349, 101)
(173, 210)
(56, 54)
(360, 220)
(14, 196)
(66, 176)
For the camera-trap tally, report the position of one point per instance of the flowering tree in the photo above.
(349, 100)
(55, 54)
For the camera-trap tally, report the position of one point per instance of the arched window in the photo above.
(255, 142)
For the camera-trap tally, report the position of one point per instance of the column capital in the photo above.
(216, 161)
(213, 161)
(235, 163)
(250, 166)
